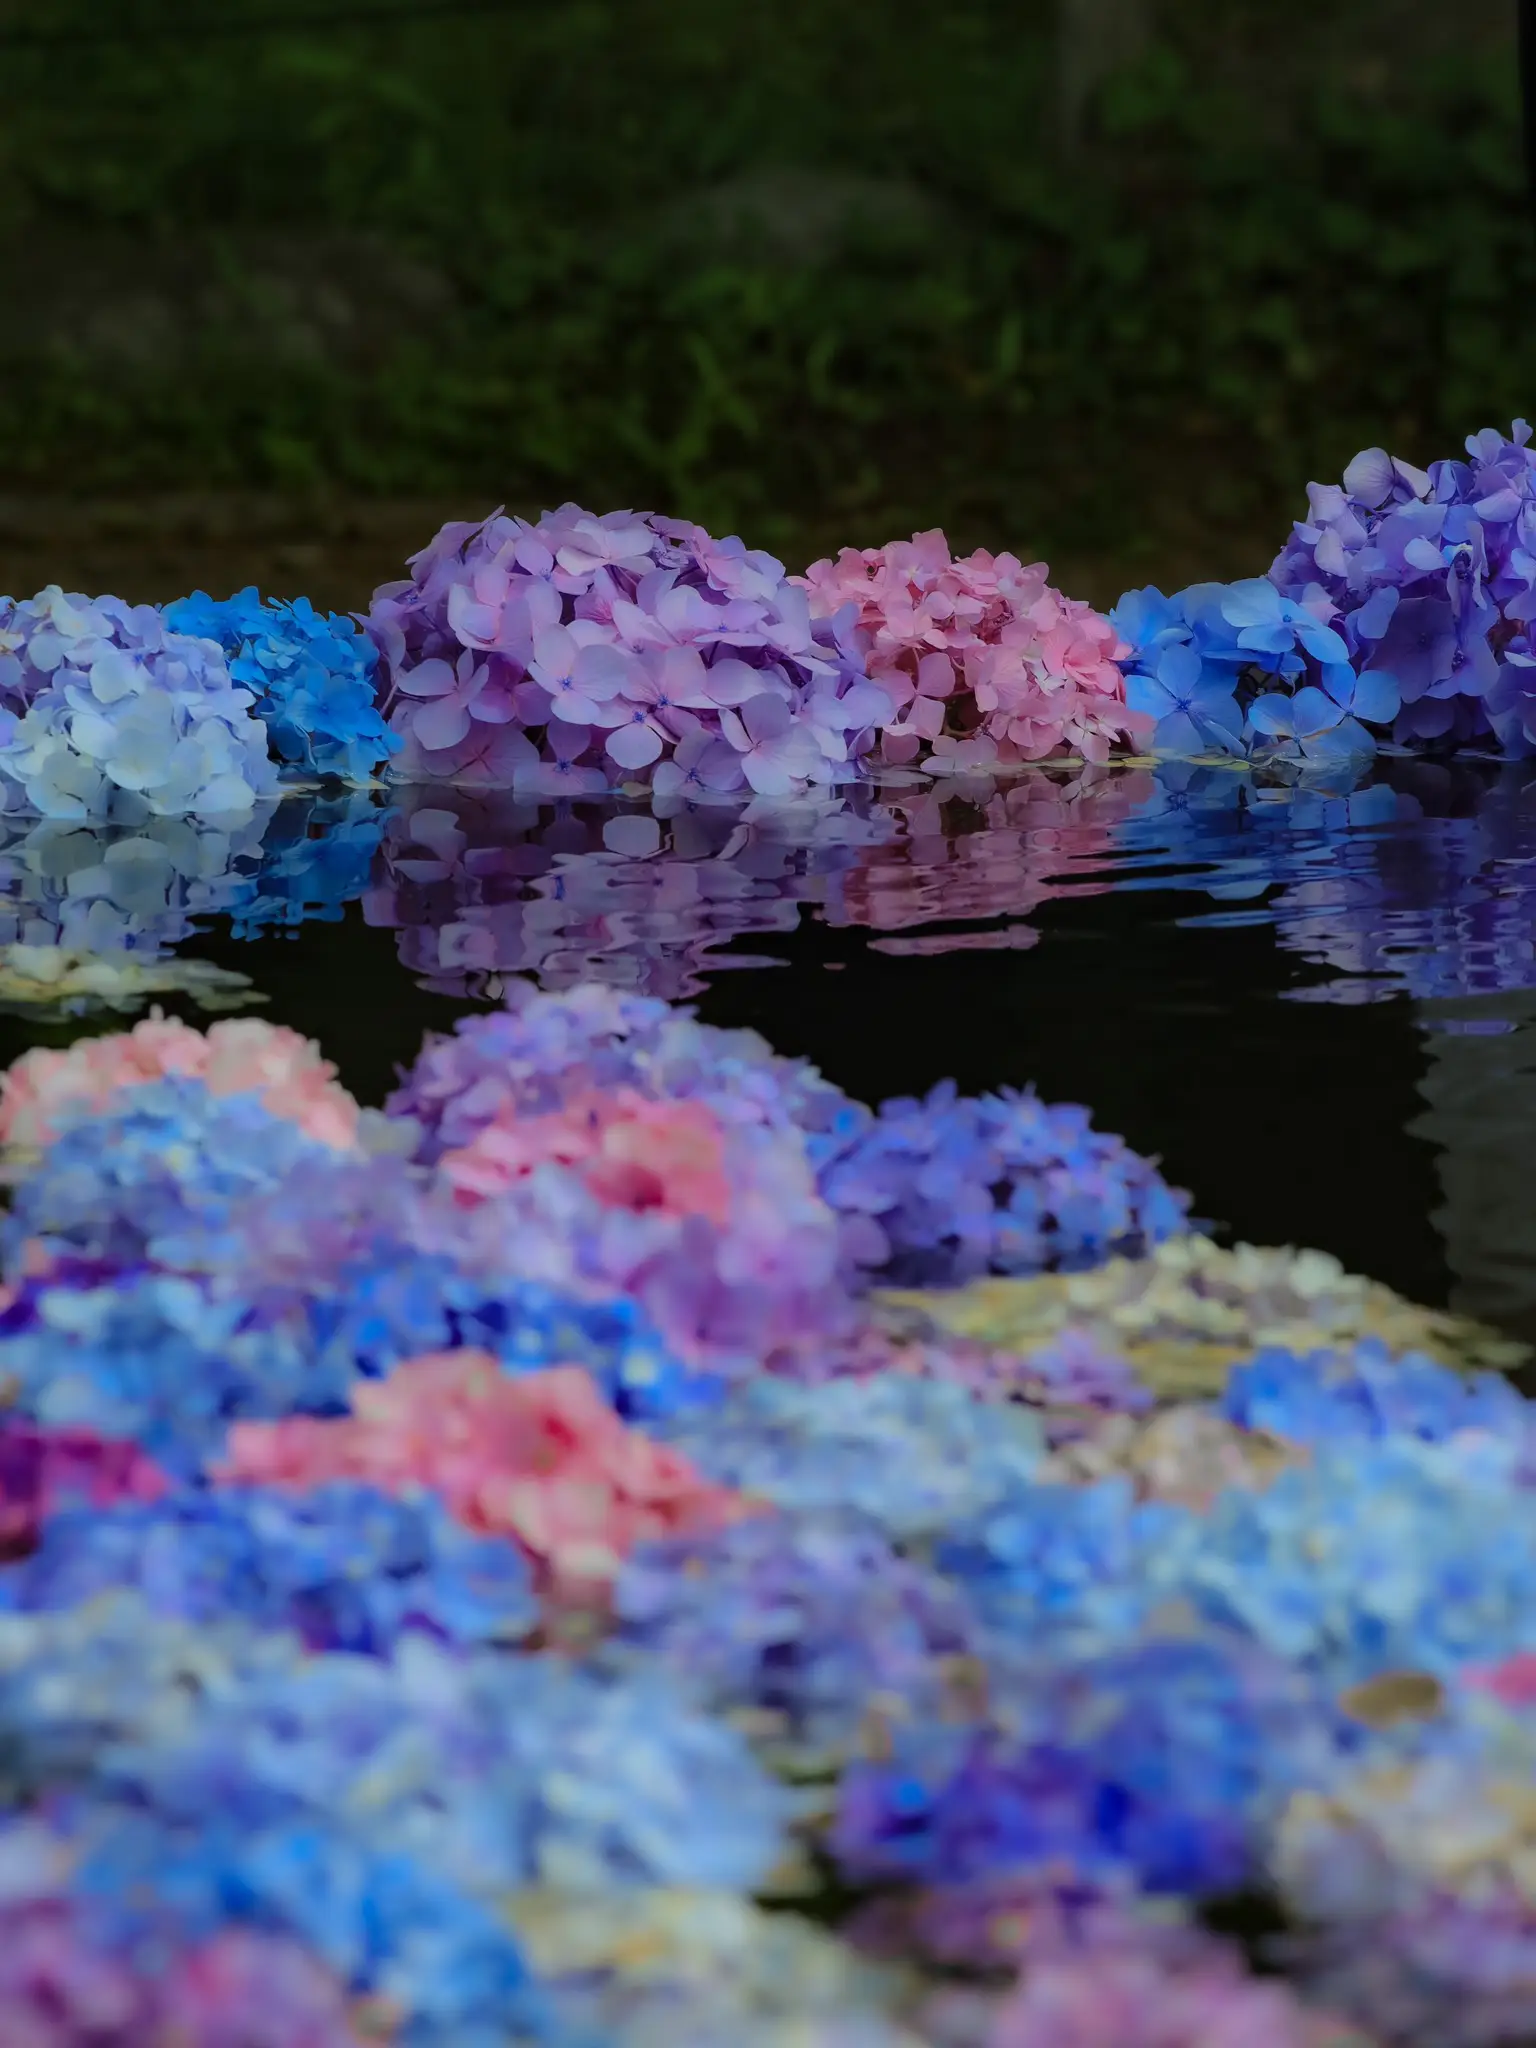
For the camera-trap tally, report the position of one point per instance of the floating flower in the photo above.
(798, 1627)
(39, 979)
(122, 717)
(242, 1056)
(312, 678)
(979, 662)
(343, 1568)
(41, 1469)
(583, 651)
(541, 1458)
(911, 1455)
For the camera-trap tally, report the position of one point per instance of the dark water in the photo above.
(1317, 1004)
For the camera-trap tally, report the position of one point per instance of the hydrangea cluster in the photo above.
(1400, 606)
(312, 677)
(344, 1567)
(1431, 576)
(562, 657)
(541, 1458)
(111, 714)
(417, 1590)
(245, 1056)
(980, 663)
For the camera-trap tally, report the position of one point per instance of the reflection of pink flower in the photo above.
(632, 1154)
(241, 1055)
(984, 663)
(541, 1458)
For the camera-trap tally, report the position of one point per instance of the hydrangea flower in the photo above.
(578, 652)
(665, 1968)
(240, 1056)
(63, 1983)
(493, 1771)
(541, 1458)
(158, 1156)
(1431, 579)
(911, 1455)
(1331, 1396)
(1241, 667)
(429, 1965)
(945, 1188)
(157, 1357)
(344, 1568)
(798, 1626)
(42, 1470)
(121, 717)
(1161, 1762)
(312, 678)
(980, 664)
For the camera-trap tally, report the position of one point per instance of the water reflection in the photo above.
(1417, 885)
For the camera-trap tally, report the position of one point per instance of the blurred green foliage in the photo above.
(809, 272)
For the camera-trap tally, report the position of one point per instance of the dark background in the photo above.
(288, 281)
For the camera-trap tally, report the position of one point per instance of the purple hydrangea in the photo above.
(934, 1192)
(1430, 577)
(562, 657)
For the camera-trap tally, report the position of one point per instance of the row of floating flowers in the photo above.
(629, 1548)
(579, 653)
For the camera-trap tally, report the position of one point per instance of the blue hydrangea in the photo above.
(952, 1186)
(1068, 1569)
(1244, 668)
(808, 1623)
(316, 858)
(911, 1455)
(160, 1358)
(1331, 1397)
(159, 1157)
(384, 1923)
(344, 1567)
(1159, 1763)
(494, 1771)
(313, 676)
(1372, 1557)
(122, 718)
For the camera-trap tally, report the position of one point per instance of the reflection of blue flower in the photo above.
(313, 678)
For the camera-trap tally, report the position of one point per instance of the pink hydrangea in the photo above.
(240, 1055)
(666, 1157)
(983, 664)
(541, 1458)
(585, 651)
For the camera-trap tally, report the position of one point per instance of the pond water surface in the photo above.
(1316, 1003)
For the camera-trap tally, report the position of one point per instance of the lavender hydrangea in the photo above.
(560, 657)
(312, 675)
(112, 715)
(344, 1567)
